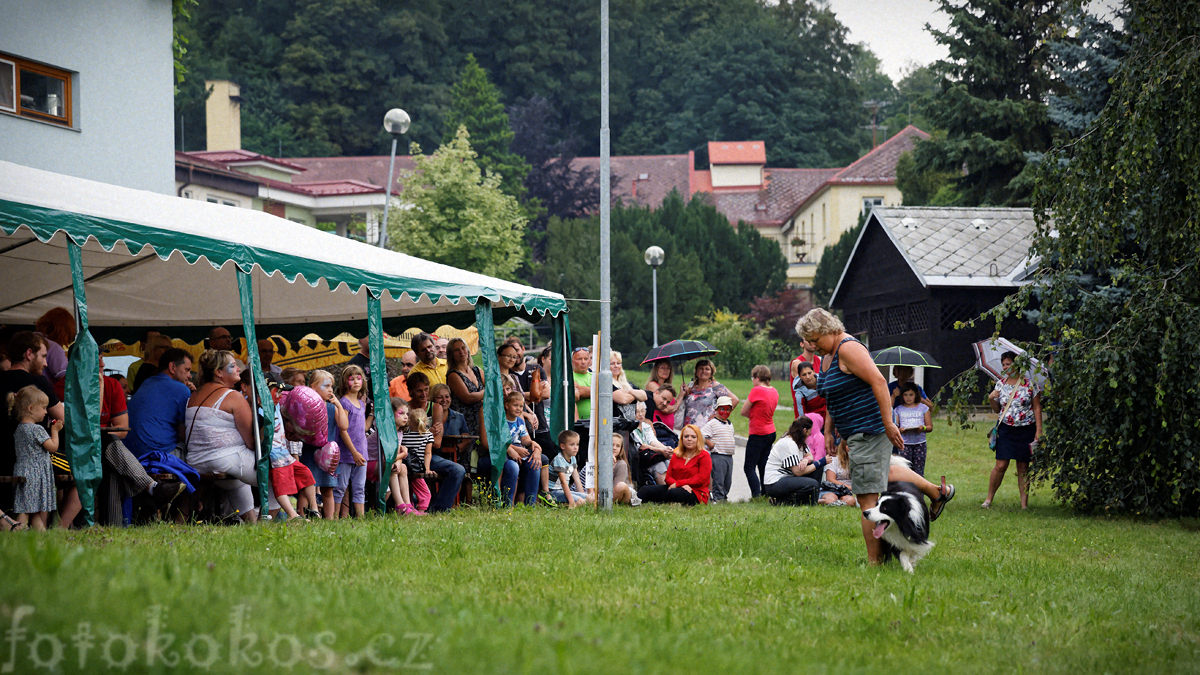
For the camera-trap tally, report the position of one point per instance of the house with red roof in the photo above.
(804, 210)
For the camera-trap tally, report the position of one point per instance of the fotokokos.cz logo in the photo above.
(239, 648)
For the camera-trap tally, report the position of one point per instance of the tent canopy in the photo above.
(153, 260)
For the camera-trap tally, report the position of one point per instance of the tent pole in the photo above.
(385, 423)
(260, 395)
(493, 392)
(81, 407)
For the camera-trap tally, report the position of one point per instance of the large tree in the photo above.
(476, 105)
(992, 104)
(455, 214)
(1119, 288)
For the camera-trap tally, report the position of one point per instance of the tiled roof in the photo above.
(306, 183)
(737, 152)
(233, 157)
(645, 179)
(773, 205)
(372, 170)
(879, 165)
(962, 246)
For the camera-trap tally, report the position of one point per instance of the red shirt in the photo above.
(696, 472)
(112, 401)
(763, 401)
(816, 405)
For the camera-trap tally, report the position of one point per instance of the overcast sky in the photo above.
(894, 30)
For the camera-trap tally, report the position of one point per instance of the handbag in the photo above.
(836, 488)
(327, 457)
(994, 434)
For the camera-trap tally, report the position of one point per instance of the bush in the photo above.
(742, 345)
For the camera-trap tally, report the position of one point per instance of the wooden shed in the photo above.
(915, 271)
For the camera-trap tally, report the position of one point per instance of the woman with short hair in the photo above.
(858, 402)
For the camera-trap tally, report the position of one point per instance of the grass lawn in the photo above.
(740, 388)
(745, 588)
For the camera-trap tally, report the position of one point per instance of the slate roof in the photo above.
(950, 246)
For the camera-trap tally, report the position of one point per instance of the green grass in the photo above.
(740, 388)
(738, 587)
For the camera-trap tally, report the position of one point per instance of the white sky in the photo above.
(894, 30)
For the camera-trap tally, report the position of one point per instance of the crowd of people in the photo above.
(172, 426)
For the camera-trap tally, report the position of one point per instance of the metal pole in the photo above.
(387, 200)
(654, 284)
(602, 376)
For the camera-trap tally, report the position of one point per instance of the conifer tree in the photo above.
(992, 103)
(476, 105)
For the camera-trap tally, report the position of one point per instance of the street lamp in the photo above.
(396, 123)
(654, 257)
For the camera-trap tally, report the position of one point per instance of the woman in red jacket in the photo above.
(689, 473)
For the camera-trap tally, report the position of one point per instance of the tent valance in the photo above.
(201, 247)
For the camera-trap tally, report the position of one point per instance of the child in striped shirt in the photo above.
(719, 440)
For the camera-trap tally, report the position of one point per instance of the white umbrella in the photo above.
(987, 359)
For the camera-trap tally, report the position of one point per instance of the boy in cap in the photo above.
(718, 439)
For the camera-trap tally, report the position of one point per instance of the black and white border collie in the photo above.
(901, 524)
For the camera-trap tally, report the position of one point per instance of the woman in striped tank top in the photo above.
(858, 403)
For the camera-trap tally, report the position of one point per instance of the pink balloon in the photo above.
(304, 416)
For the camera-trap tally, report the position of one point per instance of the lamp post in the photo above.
(396, 123)
(654, 257)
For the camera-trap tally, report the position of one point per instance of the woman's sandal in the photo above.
(940, 503)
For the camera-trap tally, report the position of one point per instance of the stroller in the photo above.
(647, 457)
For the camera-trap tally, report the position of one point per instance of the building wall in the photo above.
(119, 52)
(823, 220)
(737, 175)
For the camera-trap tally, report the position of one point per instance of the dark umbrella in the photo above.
(903, 356)
(680, 350)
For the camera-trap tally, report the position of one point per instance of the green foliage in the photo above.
(1121, 276)
(708, 264)
(992, 103)
(914, 94)
(743, 344)
(833, 262)
(456, 215)
(181, 13)
(992, 572)
(1118, 294)
(476, 105)
(925, 188)
(683, 73)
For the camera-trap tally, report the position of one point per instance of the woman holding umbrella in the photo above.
(1019, 427)
(699, 397)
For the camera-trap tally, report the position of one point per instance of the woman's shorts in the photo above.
(870, 457)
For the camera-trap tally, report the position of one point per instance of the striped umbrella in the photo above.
(903, 356)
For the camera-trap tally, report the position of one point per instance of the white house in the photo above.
(87, 89)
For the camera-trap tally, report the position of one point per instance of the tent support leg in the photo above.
(385, 423)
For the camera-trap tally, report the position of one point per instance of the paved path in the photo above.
(739, 491)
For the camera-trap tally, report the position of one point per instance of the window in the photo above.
(36, 91)
(871, 202)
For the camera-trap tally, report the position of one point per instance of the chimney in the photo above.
(223, 115)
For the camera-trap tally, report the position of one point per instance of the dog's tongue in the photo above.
(878, 532)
